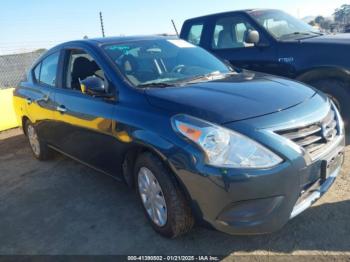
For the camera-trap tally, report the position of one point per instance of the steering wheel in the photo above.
(178, 69)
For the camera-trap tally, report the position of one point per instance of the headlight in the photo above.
(223, 147)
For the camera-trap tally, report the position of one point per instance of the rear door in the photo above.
(39, 94)
(84, 123)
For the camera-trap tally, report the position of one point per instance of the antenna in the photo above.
(177, 33)
(102, 28)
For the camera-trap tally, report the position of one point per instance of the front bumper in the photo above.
(314, 194)
(254, 201)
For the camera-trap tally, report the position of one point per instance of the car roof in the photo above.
(246, 11)
(118, 39)
(97, 42)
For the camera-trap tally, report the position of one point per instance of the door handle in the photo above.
(62, 109)
(29, 100)
(43, 99)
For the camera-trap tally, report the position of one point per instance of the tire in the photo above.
(39, 148)
(339, 92)
(179, 219)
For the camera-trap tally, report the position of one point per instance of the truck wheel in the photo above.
(164, 204)
(39, 148)
(339, 92)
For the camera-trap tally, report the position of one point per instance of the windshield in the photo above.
(164, 62)
(283, 26)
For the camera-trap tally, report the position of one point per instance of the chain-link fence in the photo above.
(14, 67)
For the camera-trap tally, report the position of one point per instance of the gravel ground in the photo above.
(63, 207)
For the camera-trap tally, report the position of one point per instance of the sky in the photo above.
(29, 24)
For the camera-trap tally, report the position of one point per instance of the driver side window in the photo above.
(81, 65)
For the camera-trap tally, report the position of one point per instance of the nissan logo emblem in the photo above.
(328, 133)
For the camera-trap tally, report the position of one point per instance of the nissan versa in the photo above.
(241, 151)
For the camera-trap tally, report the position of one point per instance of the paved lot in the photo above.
(62, 207)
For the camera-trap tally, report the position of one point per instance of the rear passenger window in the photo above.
(45, 72)
(37, 72)
(49, 70)
(195, 34)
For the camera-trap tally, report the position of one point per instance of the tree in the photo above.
(312, 23)
(319, 19)
(40, 50)
(326, 24)
(342, 14)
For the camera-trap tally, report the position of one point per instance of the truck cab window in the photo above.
(195, 34)
(231, 32)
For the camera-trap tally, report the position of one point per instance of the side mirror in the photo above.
(252, 37)
(93, 86)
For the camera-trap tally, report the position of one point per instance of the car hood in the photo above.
(329, 39)
(242, 96)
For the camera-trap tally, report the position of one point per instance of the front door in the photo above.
(84, 123)
(228, 41)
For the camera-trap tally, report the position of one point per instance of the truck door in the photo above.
(227, 40)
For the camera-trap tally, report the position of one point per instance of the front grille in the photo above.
(314, 138)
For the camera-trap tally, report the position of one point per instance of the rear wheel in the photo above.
(39, 148)
(164, 204)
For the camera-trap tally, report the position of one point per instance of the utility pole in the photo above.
(102, 28)
(177, 33)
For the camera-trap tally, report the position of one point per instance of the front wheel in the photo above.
(164, 204)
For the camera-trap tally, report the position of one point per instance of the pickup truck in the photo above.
(274, 42)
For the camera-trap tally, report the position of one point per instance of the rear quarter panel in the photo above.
(19, 105)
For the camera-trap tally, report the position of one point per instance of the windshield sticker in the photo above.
(181, 43)
(119, 47)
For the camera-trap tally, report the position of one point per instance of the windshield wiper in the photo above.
(155, 85)
(309, 33)
(317, 33)
(205, 77)
(187, 80)
(295, 34)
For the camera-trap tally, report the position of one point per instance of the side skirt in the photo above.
(85, 164)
